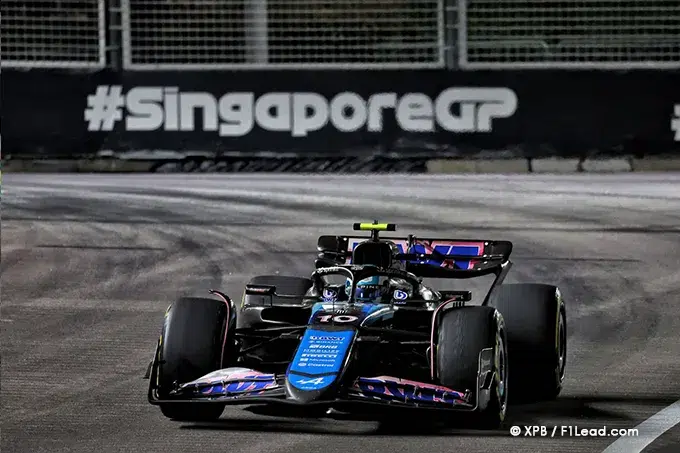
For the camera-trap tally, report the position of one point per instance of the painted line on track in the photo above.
(648, 431)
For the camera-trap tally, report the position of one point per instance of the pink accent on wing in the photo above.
(429, 246)
(242, 376)
(419, 385)
(430, 249)
(239, 376)
(242, 387)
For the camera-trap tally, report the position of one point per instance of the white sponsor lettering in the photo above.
(338, 318)
(236, 114)
(320, 355)
(316, 338)
(317, 381)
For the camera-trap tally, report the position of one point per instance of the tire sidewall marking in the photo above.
(500, 349)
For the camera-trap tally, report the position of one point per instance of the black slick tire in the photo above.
(535, 319)
(463, 334)
(191, 347)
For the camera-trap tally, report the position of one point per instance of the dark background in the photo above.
(560, 113)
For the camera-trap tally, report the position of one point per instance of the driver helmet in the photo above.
(371, 290)
(379, 289)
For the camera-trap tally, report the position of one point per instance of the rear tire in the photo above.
(192, 346)
(463, 333)
(536, 323)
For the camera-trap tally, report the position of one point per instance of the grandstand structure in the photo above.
(343, 34)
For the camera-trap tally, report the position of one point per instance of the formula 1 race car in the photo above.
(365, 330)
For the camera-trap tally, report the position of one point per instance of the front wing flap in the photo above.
(391, 390)
(243, 386)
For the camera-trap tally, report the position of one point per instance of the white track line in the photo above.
(648, 431)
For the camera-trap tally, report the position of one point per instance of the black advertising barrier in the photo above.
(42, 112)
(537, 112)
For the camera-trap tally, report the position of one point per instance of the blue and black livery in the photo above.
(320, 342)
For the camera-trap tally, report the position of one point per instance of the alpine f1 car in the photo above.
(364, 329)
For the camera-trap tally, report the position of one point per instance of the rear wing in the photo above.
(427, 257)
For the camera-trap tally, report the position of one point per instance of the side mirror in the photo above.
(332, 244)
(260, 290)
(457, 296)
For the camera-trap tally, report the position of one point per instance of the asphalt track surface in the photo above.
(89, 264)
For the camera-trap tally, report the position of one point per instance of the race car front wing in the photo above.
(240, 386)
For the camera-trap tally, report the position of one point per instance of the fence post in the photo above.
(256, 28)
(451, 25)
(114, 32)
(126, 34)
(462, 42)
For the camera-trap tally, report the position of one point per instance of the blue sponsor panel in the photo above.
(319, 358)
(311, 383)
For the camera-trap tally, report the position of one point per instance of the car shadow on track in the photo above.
(563, 411)
(340, 428)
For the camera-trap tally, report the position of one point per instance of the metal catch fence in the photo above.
(349, 34)
(525, 34)
(53, 34)
(233, 34)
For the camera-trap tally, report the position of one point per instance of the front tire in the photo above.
(463, 334)
(192, 346)
(536, 323)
